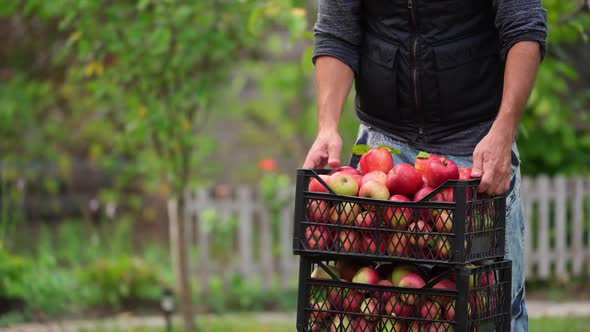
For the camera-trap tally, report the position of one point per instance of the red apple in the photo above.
(487, 279)
(439, 327)
(402, 270)
(367, 219)
(341, 323)
(421, 234)
(378, 159)
(375, 190)
(411, 280)
(404, 179)
(320, 311)
(424, 191)
(317, 186)
(366, 275)
(444, 222)
(397, 217)
(416, 326)
(352, 302)
(464, 174)
(347, 269)
(395, 307)
(384, 296)
(430, 310)
(445, 284)
(375, 245)
(374, 176)
(344, 213)
(371, 308)
(439, 170)
(318, 237)
(318, 211)
(450, 311)
(346, 170)
(348, 241)
(399, 245)
(344, 184)
(361, 324)
(359, 179)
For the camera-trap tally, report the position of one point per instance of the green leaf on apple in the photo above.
(433, 242)
(423, 155)
(360, 149)
(390, 149)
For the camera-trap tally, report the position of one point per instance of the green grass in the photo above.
(246, 323)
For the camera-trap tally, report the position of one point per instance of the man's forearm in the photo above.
(522, 64)
(334, 81)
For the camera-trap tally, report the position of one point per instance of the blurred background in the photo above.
(123, 123)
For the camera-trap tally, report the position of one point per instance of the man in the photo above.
(450, 77)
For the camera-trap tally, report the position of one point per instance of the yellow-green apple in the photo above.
(346, 170)
(396, 307)
(317, 186)
(444, 221)
(404, 179)
(347, 269)
(366, 275)
(318, 237)
(399, 245)
(361, 324)
(421, 234)
(374, 176)
(318, 211)
(439, 327)
(374, 190)
(344, 184)
(397, 217)
(430, 310)
(320, 273)
(371, 308)
(378, 159)
(344, 213)
(400, 271)
(348, 241)
(439, 170)
(384, 296)
(341, 323)
(352, 302)
(444, 247)
(411, 280)
(367, 219)
(376, 244)
(391, 324)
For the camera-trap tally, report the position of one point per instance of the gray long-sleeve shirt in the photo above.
(338, 33)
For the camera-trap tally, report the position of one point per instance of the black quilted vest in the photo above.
(428, 67)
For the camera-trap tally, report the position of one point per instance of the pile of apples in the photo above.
(380, 179)
(353, 309)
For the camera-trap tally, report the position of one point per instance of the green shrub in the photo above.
(13, 270)
(114, 281)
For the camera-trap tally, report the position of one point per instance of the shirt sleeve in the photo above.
(338, 31)
(521, 20)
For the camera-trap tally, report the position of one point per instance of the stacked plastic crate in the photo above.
(369, 265)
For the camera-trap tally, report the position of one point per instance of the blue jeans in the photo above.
(514, 213)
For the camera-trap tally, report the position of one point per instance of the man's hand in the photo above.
(491, 162)
(324, 151)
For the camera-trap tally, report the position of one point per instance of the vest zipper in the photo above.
(415, 64)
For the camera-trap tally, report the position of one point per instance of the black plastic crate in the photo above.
(467, 230)
(481, 301)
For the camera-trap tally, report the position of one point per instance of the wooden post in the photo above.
(179, 249)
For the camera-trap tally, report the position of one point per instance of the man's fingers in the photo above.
(477, 168)
(334, 154)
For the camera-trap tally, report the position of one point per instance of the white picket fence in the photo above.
(557, 222)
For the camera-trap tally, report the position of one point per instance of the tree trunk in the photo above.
(179, 250)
